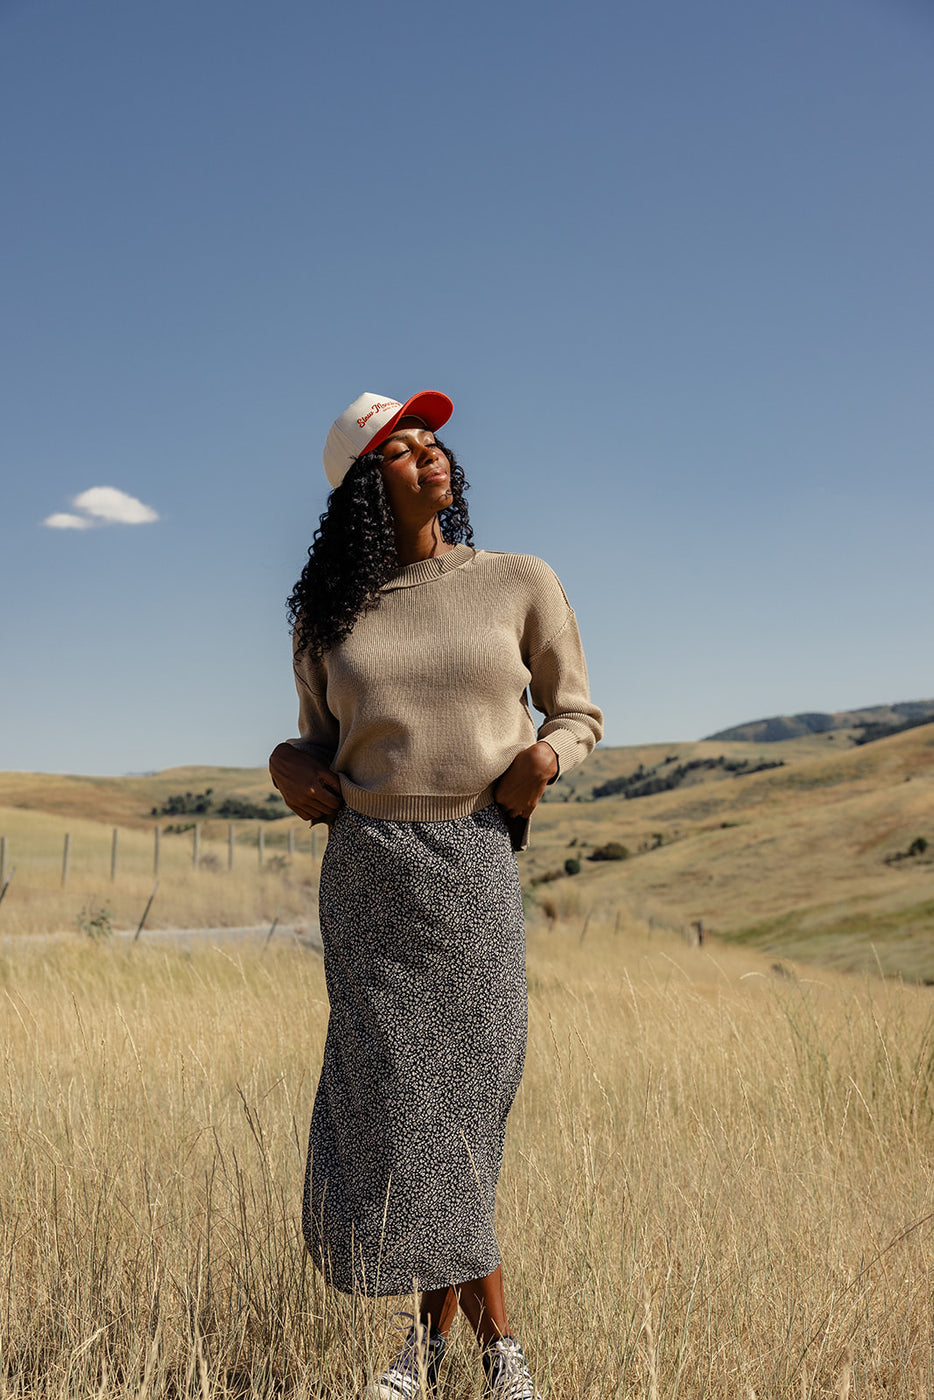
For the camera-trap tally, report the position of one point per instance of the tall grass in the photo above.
(717, 1182)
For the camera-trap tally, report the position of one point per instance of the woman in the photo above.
(414, 655)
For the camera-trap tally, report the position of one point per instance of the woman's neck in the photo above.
(412, 546)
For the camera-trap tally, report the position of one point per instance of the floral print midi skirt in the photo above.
(424, 956)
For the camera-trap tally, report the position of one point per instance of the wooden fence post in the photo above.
(66, 853)
(113, 855)
(291, 842)
(272, 929)
(230, 845)
(196, 845)
(260, 844)
(139, 926)
(6, 884)
(3, 859)
(157, 843)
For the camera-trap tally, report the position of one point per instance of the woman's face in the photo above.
(415, 472)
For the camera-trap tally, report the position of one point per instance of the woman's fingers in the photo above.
(519, 802)
(306, 784)
(521, 787)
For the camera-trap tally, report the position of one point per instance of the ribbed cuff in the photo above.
(568, 748)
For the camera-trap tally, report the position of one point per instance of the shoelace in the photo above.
(403, 1372)
(508, 1375)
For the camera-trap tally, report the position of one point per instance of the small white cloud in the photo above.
(102, 505)
(115, 507)
(67, 522)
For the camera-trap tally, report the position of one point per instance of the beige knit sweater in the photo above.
(425, 704)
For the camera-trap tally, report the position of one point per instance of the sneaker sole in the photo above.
(379, 1390)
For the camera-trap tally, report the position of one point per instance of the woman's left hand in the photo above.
(520, 789)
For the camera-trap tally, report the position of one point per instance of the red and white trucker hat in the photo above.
(370, 420)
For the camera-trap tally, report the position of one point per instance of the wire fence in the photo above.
(201, 853)
(56, 873)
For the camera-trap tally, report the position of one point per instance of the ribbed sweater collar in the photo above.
(426, 570)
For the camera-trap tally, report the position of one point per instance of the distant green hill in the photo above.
(874, 722)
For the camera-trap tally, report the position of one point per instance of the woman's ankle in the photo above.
(437, 1311)
(488, 1334)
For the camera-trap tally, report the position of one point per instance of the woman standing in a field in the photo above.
(414, 655)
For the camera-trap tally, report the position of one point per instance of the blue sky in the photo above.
(671, 261)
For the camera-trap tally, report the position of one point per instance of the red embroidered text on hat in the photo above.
(370, 420)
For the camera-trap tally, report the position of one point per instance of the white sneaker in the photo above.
(507, 1375)
(414, 1372)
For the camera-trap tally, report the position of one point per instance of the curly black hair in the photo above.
(353, 554)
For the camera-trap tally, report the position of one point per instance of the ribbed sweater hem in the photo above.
(414, 807)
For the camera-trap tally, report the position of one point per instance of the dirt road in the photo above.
(307, 935)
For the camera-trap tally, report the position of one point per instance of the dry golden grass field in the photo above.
(718, 1180)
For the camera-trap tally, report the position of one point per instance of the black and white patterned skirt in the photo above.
(424, 955)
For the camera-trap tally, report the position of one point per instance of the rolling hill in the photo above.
(811, 848)
(873, 721)
(808, 860)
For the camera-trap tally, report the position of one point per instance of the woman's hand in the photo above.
(307, 785)
(520, 789)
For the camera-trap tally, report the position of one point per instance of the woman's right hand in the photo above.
(306, 784)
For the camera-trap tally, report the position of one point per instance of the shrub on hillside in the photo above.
(95, 921)
(548, 877)
(646, 782)
(185, 804)
(611, 851)
(917, 848)
(875, 729)
(232, 808)
(242, 809)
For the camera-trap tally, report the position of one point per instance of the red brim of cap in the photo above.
(432, 407)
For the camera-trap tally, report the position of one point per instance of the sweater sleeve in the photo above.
(559, 687)
(318, 728)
